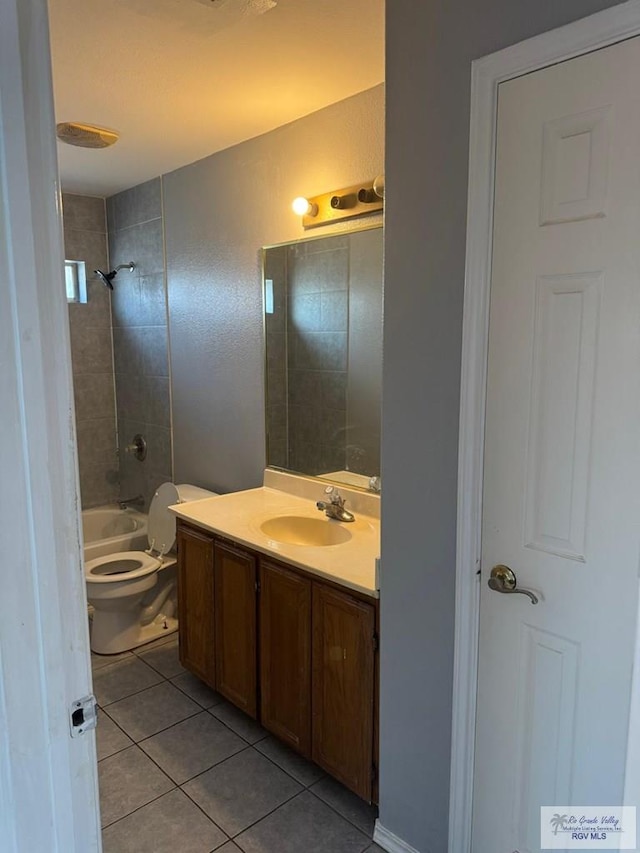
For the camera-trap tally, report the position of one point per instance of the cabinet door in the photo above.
(196, 603)
(285, 655)
(235, 626)
(343, 684)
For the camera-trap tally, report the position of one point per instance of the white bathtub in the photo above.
(108, 529)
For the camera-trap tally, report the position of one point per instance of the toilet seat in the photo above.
(161, 524)
(133, 594)
(130, 565)
(121, 566)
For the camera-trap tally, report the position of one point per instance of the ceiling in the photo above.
(181, 79)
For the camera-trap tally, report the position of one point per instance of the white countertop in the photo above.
(238, 516)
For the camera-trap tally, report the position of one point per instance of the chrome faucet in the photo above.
(335, 507)
(137, 501)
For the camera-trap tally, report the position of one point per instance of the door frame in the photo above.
(583, 36)
(48, 778)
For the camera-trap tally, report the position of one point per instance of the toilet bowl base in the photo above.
(109, 636)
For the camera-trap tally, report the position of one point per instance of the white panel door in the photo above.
(561, 502)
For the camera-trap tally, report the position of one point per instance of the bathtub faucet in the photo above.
(126, 502)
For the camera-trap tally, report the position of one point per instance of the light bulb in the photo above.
(303, 207)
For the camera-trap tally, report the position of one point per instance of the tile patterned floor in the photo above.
(183, 771)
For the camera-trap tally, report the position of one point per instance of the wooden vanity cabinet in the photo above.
(344, 647)
(297, 653)
(196, 603)
(285, 655)
(235, 625)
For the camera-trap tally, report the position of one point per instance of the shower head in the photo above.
(107, 277)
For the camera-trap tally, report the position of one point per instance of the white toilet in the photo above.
(134, 593)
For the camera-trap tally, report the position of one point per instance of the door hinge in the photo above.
(83, 715)
(374, 773)
(257, 586)
(376, 642)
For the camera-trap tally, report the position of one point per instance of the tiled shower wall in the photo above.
(85, 239)
(140, 339)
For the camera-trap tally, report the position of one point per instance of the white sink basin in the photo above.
(301, 530)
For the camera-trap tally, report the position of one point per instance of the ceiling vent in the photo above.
(85, 135)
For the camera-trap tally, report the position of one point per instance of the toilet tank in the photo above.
(188, 492)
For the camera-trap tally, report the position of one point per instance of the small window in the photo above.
(76, 281)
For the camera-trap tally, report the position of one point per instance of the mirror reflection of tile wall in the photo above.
(324, 354)
(318, 317)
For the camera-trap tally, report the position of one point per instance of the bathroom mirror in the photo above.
(323, 337)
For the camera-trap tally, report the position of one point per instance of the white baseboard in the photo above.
(388, 841)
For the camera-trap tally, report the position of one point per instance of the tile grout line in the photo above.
(138, 808)
(142, 690)
(343, 816)
(159, 797)
(102, 710)
(135, 224)
(182, 690)
(202, 772)
(280, 767)
(217, 764)
(264, 816)
(284, 803)
(127, 659)
(179, 786)
(132, 652)
(222, 761)
(129, 695)
(275, 809)
(147, 737)
(210, 711)
(176, 787)
(190, 798)
(165, 729)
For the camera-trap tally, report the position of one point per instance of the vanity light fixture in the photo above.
(303, 207)
(347, 203)
(367, 196)
(344, 202)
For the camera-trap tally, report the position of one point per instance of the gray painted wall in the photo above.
(429, 51)
(219, 212)
(85, 239)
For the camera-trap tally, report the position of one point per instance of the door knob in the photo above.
(504, 580)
